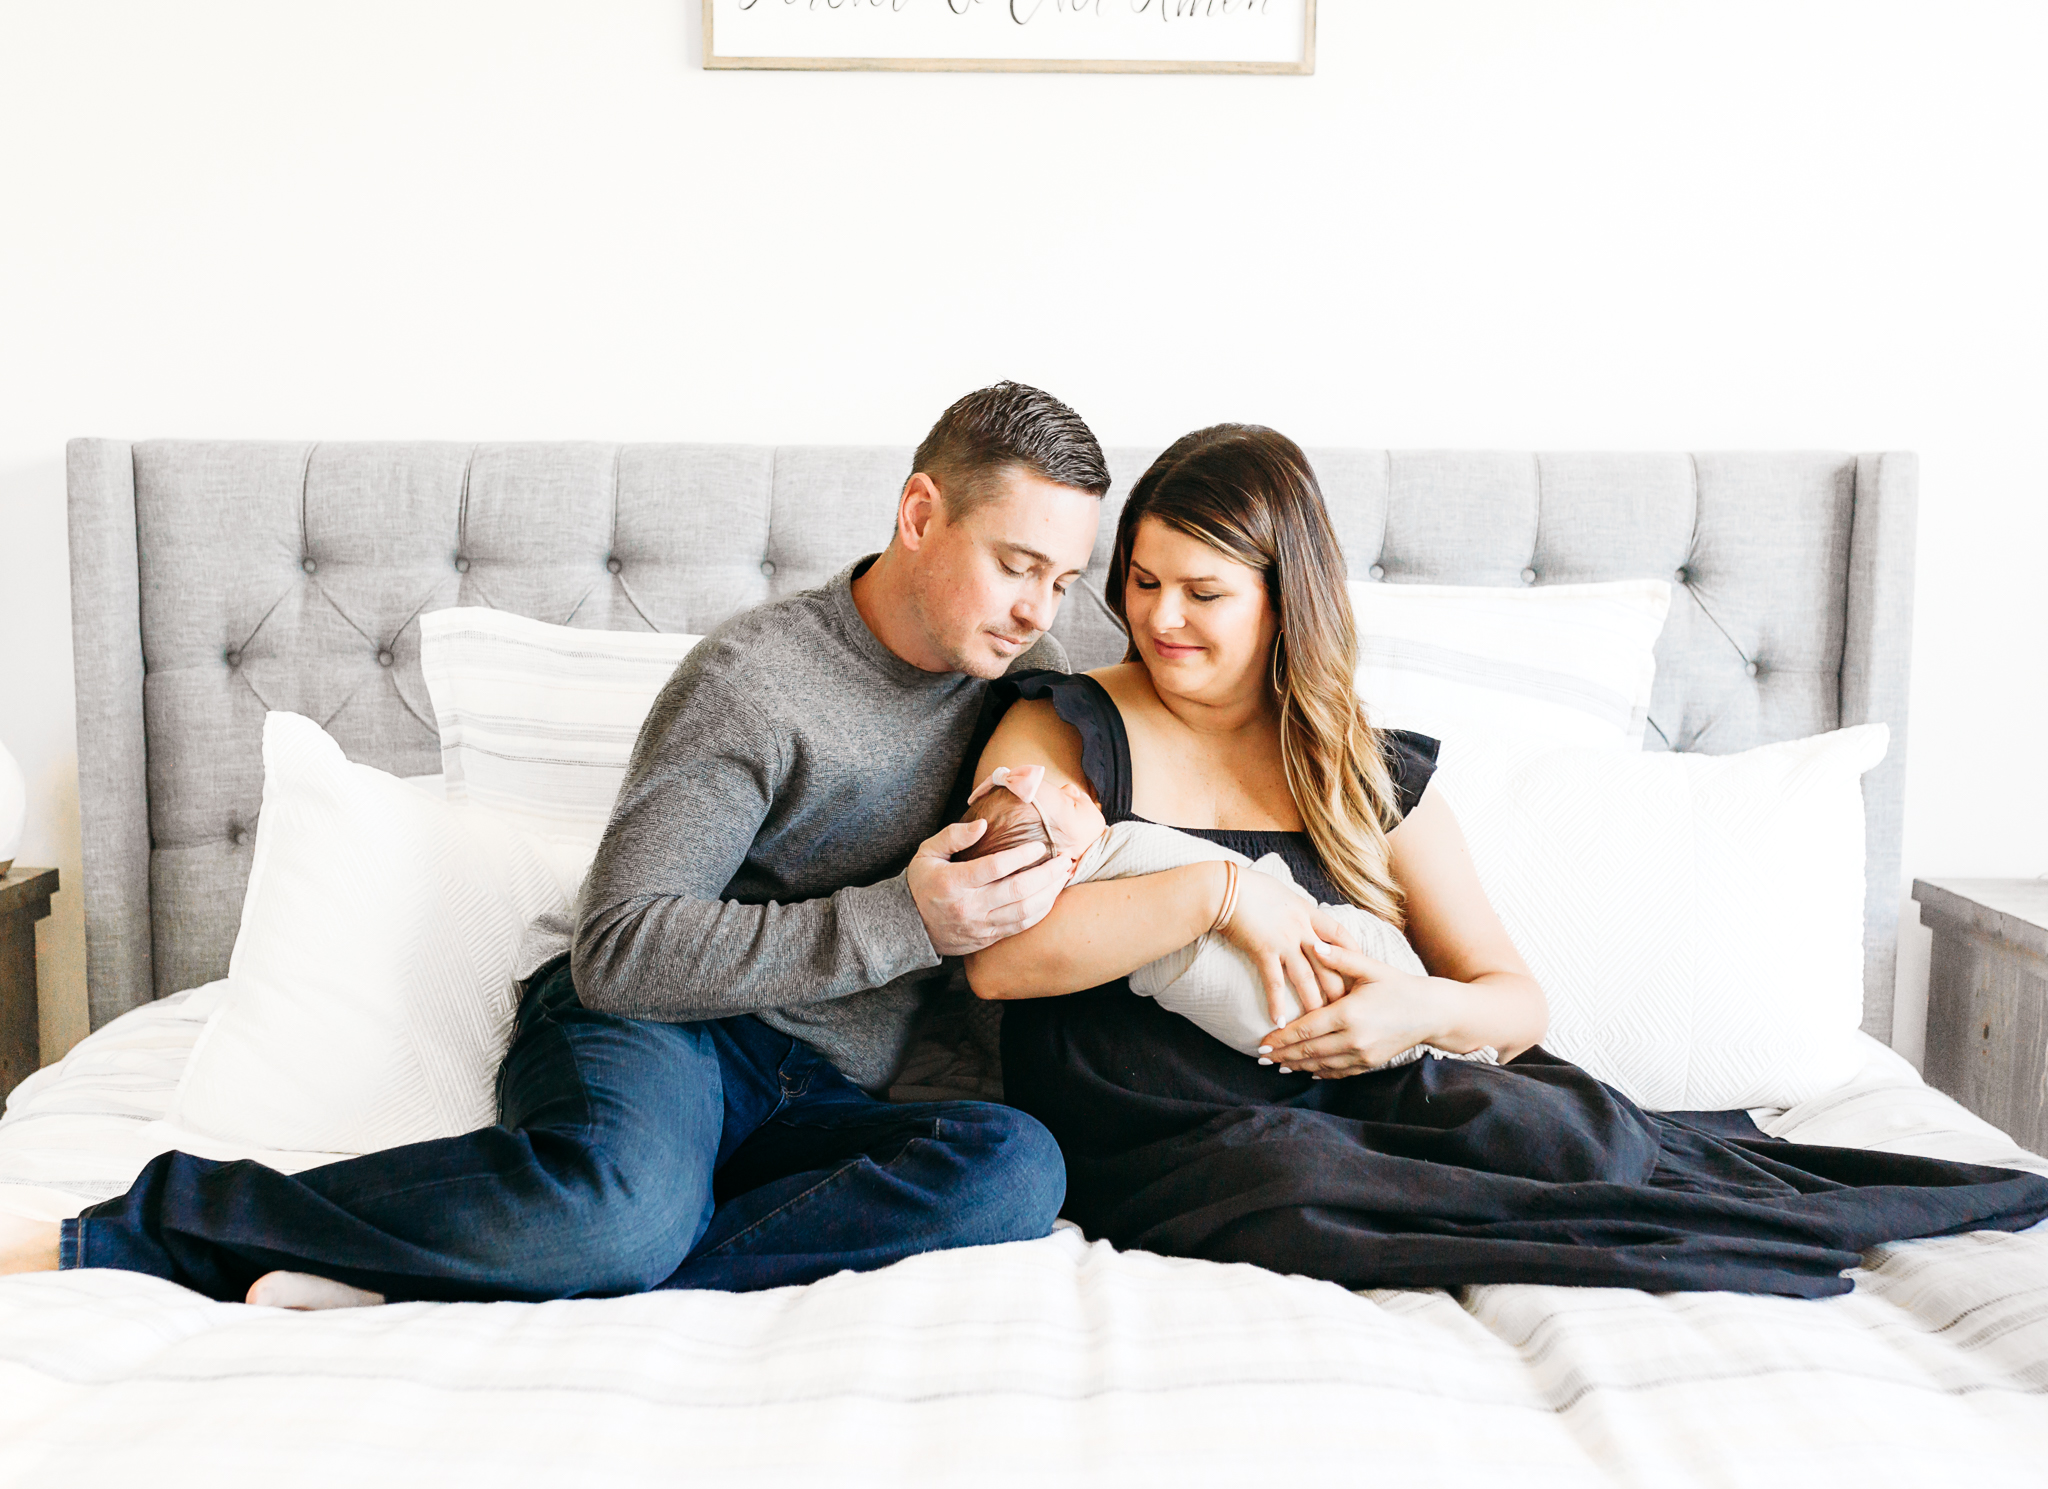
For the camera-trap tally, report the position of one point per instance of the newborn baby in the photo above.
(1209, 981)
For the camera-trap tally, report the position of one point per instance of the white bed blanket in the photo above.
(1052, 1361)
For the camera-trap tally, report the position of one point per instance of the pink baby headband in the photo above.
(1022, 783)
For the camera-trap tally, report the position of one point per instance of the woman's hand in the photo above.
(1382, 1012)
(1385, 1011)
(1279, 928)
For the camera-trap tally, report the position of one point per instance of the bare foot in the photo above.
(304, 1291)
(27, 1245)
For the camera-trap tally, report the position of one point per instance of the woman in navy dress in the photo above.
(1233, 717)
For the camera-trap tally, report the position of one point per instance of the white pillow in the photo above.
(537, 721)
(1696, 920)
(1571, 663)
(370, 994)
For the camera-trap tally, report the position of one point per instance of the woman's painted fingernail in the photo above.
(1285, 1071)
(1264, 1061)
(1265, 1049)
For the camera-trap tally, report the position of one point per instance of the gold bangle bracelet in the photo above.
(1229, 906)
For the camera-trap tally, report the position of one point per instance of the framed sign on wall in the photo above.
(1247, 36)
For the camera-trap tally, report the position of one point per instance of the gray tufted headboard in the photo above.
(213, 581)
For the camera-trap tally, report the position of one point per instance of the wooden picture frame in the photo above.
(1306, 65)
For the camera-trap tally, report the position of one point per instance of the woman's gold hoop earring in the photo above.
(1279, 663)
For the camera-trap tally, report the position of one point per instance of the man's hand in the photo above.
(1278, 927)
(967, 906)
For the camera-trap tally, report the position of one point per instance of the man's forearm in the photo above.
(679, 959)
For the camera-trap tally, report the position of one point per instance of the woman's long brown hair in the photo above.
(1248, 492)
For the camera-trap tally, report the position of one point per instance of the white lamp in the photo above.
(13, 809)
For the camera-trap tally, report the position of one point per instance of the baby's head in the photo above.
(1019, 810)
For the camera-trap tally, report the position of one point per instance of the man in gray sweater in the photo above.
(687, 1100)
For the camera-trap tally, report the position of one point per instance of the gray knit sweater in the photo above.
(754, 862)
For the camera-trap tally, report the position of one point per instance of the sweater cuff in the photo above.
(888, 933)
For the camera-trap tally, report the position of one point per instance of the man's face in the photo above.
(989, 585)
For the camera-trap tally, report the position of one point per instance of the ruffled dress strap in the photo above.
(1085, 706)
(1411, 760)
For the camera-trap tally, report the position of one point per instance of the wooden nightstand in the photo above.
(24, 900)
(1987, 999)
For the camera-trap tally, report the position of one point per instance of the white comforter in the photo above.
(1047, 1362)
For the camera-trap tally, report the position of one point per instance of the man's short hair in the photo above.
(1008, 427)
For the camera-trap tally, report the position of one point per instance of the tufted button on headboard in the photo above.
(212, 582)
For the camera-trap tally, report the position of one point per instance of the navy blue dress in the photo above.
(1441, 1172)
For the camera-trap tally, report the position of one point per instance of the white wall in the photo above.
(1522, 223)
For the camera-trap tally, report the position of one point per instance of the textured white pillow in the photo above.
(1571, 663)
(537, 721)
(370, 994)
(1696, 920)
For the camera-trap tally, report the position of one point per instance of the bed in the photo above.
(215, 581)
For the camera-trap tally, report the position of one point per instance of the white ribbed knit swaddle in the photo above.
(1209, 981)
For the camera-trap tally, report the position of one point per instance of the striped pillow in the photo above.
(1571, 663)
(538, 721)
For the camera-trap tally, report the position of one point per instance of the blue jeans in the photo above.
(629, 1155)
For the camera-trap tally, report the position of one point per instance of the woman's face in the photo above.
(1201, 621)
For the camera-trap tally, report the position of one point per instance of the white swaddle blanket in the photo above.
(1209, 981)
